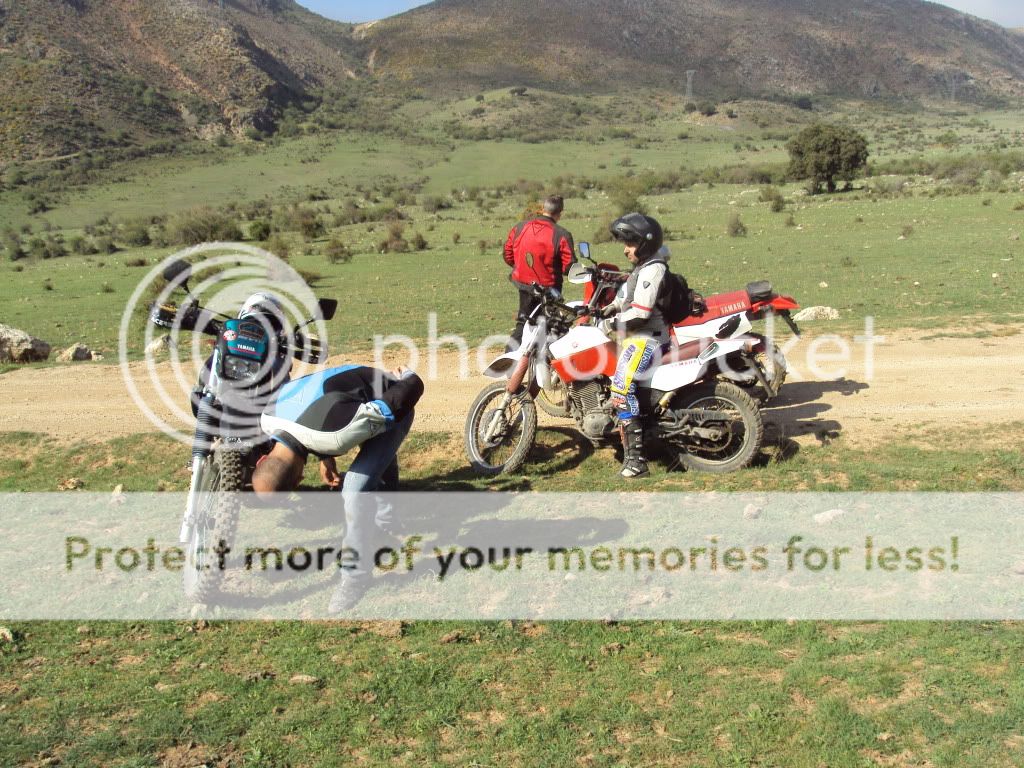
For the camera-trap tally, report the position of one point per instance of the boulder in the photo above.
(18, 347)
(817, 313)
(75, 354)
(159, 344)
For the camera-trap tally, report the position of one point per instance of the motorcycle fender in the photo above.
(502, 367)
(543, 374)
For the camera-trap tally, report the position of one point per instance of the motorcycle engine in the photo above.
(591, 400)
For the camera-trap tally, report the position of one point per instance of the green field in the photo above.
(915, 251)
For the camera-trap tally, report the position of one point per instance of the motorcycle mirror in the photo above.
(178, 270)
(327, 308)
(578, 274)
(585, 251)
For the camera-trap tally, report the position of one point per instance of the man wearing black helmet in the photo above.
(635, 316)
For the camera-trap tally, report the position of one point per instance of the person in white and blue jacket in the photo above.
(328, 414)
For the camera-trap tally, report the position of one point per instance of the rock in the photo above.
(71, 484)
(84, 629)
(752, 512)
(827, 517)
(823, 284)
(75, 354)
(817, 313)
(18, 347)
(452, 637)
(159, 344)
(6, 636)
(304, 680)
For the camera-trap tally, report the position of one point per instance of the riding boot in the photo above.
(634, 465)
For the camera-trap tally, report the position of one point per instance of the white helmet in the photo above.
(264, 305)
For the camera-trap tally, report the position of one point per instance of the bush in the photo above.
(708, 108)
(135, 234)
(260, 230)
(106, 245)
(690, 108)
(772, 195)
(204, 225)
(419, 242)
(12, 245)
(278, 246)
(138, 262)
(433, 204)
(736, 227)
(337, 252)
(395, 241)
(457, 236)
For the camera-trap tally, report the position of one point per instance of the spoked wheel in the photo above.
(500, 430)
(216, 518)
(722, 445)
(554, 399)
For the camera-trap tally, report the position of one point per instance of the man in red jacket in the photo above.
(539, 251)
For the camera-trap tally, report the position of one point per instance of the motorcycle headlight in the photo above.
(240, 369)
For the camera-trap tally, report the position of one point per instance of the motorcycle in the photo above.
(252, 359)
(731, 314)
(714, 425)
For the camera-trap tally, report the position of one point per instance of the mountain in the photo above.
(81, 73)
(903, 48)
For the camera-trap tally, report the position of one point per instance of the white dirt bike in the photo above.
(713, 425)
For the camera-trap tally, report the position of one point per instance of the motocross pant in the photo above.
(527, 303)
(636, 359)
(374, 470)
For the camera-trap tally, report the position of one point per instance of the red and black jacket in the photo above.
(552, 248)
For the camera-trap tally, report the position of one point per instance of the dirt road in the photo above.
(916, 383)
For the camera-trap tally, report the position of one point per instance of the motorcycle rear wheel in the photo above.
(216, 518)
(508, 451)
(741, 439)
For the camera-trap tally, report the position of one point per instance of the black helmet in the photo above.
(642, 231)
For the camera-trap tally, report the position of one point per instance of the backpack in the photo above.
(675, 300)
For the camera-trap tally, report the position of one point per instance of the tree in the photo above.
(827, 153)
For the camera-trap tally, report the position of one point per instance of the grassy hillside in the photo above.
(903, 48)
(88, 74)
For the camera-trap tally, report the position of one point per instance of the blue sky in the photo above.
(1007, 12)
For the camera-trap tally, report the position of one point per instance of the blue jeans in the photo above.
(375, 469)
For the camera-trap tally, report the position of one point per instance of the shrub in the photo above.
(690, 107)
(395, 241)
(260, 230)
(47, 285)
(106, 245)
(772, 195)
(457, 236)
(12, 244)
(278, 246)
(106, 288)
(433, 204)
(419, 242)
(791, 220)
(482, 245)
(137, 262)
(907, 231)
(337, 252)
(204, 225)
(708, 108)
(135, 234)
(736, 227)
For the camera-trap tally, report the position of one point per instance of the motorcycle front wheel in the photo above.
(500, 430)
(215, 520)
(735, 441)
